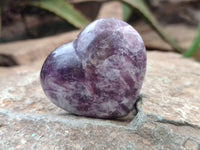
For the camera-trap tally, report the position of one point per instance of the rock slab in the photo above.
(167, 118)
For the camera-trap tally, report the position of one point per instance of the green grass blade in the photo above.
(126, 11)
(64, 10)
(141, 6)
(195, 44)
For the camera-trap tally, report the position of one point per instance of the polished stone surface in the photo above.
(100, 74)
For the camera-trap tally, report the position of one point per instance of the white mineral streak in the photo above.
(86, 37)
(62, 50)
(109, 106)
(70, 57)
(61, 94)
(137, 44)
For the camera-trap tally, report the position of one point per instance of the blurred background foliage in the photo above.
(75, 15)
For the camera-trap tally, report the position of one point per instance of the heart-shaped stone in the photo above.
(100, 73)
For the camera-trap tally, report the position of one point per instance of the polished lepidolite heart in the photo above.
(100, 73)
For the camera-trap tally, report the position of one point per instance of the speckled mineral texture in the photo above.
(176, 90)
(100, 73)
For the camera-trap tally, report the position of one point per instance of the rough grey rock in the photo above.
(172, 89)
(182, 33)
(24, 52)
(27, 51)
(177, 11)
(110, 9)
(167, 118)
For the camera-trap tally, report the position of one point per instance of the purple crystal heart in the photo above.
(100, 73)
